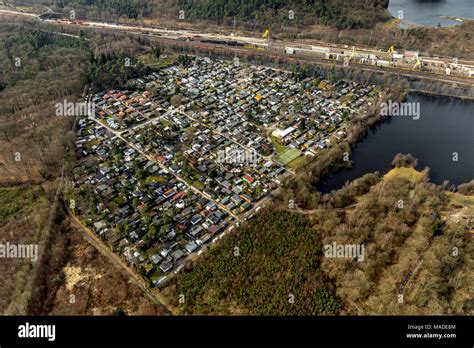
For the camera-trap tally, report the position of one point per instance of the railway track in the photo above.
(296, 59)
(275, 52)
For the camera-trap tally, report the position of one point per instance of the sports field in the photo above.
(288, 156)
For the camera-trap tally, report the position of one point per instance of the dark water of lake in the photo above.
(445, 126)
(431, 12)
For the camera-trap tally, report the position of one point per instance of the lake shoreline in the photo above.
(374, 153)
(431, 14)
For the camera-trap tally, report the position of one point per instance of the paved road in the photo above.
(118, 134)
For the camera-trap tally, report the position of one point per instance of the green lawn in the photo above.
(155, 178)
(288, 156)
(150, 60)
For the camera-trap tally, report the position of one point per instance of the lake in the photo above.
(431, 12)
(445, 127)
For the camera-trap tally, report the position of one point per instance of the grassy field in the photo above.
(151, 61)
(155, 178)
(288, 156)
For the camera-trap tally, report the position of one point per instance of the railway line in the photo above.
(274, 55)
(448, 70)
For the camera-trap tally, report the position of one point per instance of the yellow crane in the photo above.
(266, 35)
(391, 51)
(418, 63)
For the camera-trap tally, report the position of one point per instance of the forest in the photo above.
(405, 225)
(131, 9)
(335, 13)
(113, 70)
(271, 267)
(38, 69)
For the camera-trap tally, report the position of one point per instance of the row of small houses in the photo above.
(231, 100)
(196, 218)
(225, 95)
(214, 173)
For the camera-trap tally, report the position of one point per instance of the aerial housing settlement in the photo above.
(174, 162)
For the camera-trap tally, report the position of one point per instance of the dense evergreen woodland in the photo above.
(271, 267)
(337, 13)
(132, 9)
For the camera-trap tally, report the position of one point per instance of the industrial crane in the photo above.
(391, 51)
(266, 35)
(418, 63)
